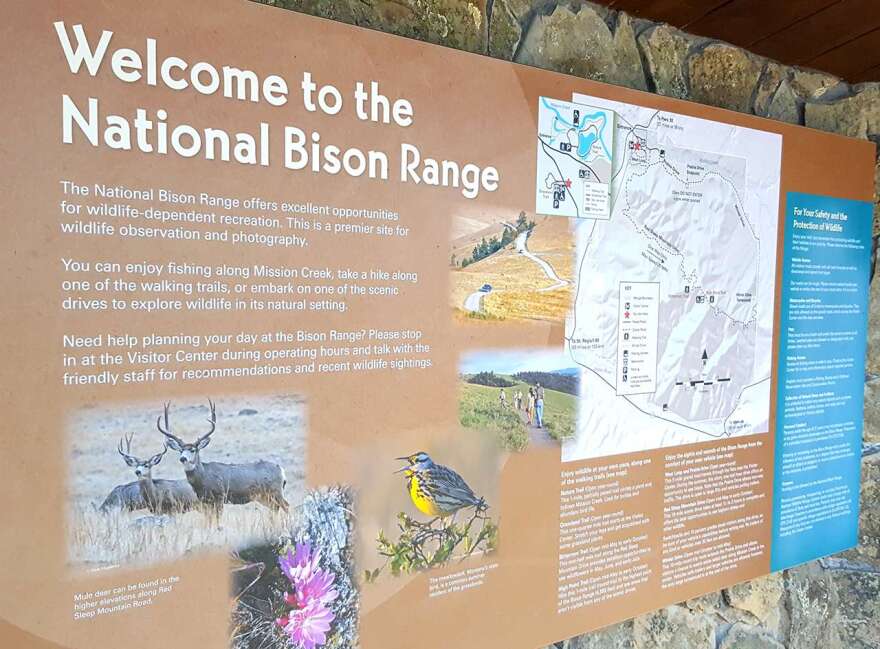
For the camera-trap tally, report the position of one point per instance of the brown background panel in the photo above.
(467, 108)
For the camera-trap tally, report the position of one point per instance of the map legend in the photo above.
(596, 201)
(637, 326)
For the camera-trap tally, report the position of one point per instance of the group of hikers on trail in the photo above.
(532, 403)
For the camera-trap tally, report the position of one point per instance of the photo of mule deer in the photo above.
(165, 513)
(217, 483)
(160, 496)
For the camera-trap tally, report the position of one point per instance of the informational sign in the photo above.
(315, 337)
(819, 403)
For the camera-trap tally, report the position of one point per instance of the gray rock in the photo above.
(619, 636)
(784, 105)
(877, 198)
(771, 77)
(522, 8)
(511, 19)
(456, 23)
(574, 43)
(872, 392)
(505, 31)
(812, 602)
(706, 603)
(674, 627)
(665, 50)
(855, 116)
(810, 84)
(629, 69)
(859, 602)
(840, 563)
(724, 76)
(868, 549)
(741, 636)
(581, 43)
(151, 521)
(871, 430)
(760, 596)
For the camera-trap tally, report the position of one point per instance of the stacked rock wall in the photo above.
(828, 604)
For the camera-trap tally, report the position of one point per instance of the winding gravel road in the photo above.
(474, 302)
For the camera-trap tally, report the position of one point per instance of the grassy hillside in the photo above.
(479, 409)
(560, 414)
(463, 247)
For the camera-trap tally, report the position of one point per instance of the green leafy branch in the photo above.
(421, 546)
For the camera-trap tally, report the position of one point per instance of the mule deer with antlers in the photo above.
(218, 483)
(161, 496)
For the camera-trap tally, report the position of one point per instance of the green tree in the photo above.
(506, 236)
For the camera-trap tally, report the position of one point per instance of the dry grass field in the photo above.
(519, 285)
(529, 305)
(249, 428)
(100, 541)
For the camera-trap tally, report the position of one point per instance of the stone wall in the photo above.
(828, 604)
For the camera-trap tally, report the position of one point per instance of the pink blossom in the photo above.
(317, 588)
(309, 619)
(298, 565)
(307, 627)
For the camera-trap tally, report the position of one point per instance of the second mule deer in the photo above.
(161, 496)
(218, 483)
(125, 497)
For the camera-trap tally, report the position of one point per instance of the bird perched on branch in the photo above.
(437, 490)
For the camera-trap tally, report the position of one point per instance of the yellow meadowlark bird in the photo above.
(437, 490)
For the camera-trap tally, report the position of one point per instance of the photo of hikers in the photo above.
(152, 481)
(525, 398)
(511, 266)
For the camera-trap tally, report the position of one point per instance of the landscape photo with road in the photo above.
(524, 398)
(153, 481)
(513, 266)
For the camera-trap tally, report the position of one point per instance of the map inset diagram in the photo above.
(575, 145)
(672, 322)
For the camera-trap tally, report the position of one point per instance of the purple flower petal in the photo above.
(307, 627)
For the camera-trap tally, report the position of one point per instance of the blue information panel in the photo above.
(823, 329)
